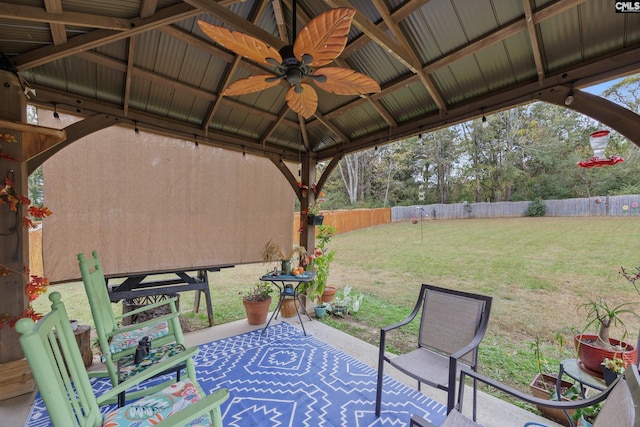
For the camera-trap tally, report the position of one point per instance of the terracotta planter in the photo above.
(257, 311)
(542, 387)
(329, 293)
(592, 356)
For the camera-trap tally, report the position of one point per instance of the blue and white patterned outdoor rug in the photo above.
(283, 378)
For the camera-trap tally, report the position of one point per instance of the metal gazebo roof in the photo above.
(146, 63)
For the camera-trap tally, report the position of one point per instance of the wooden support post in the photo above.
(307, 237)
(14, 238)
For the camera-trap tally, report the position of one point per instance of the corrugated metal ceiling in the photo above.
(438, 62)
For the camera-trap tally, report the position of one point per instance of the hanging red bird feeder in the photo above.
(599, 141)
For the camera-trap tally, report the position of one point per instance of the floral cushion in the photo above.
(150, 410)
(127, 366)
(125, 340)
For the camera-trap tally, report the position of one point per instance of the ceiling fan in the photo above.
(319, 43)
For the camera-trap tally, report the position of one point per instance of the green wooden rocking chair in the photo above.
(119, 344)
(56, 363)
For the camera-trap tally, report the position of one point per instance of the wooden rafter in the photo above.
(281, 117)
(236, 21)
(533, 39)
(101, 37)
(213, 107)
(131, 49)
(58, 31)
(397, 33)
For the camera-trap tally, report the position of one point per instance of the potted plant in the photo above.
(314, 217)
(587, 415)
(319, 262)
(611, 368)
(592, 349)
(257, 301)
(320, 310)
(272, 252)
(347, 303)
(544, 385)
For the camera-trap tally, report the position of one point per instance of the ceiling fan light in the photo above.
(294, 76)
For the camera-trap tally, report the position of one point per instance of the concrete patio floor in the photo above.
(492, 412)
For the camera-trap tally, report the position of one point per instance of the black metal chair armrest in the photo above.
(418, 421)
(409, 318)
(572, 404)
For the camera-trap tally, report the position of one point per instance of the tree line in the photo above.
(526, 153)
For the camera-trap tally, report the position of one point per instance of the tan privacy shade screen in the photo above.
(153, 203)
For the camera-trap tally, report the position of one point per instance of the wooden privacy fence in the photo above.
(591, 206)
(349, 219)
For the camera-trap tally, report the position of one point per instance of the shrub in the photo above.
(536, 208)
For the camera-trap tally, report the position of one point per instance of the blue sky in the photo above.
(601, 87)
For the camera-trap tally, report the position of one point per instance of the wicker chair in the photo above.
(57, 367)
(621, 409)
(452, 324)
(118, 344)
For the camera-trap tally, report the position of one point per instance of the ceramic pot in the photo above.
(592, 355)
(320, 310)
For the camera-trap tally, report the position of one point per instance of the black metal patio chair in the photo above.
(621, 408)
(452, 324)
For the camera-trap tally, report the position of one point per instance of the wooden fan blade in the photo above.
(241, 44)
(250, 84)
(343, 81)
(325, 37)
(305, 102)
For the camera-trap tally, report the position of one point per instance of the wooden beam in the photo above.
(35, 139)
(97, 38)
(533, 39)
(58, 31)
(235, 21)
(229, 73)
(37, 14)
(128, 75)
(378, 36)
(399, 36)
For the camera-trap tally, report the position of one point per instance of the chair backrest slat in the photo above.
(96, 288)
(57, 367)
(450, 321)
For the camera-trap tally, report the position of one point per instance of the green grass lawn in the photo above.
(538, 271)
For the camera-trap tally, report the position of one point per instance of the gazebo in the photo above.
(148, 65)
